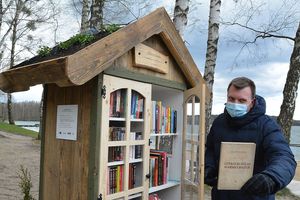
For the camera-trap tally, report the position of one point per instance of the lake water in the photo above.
(295, 135)
(295, 139)
(30, 123)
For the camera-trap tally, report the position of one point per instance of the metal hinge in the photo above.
(99, 197)
(103, 91)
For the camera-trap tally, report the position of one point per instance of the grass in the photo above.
(17, 130)
(287, 193)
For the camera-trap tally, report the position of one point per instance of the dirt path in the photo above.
(17, 150)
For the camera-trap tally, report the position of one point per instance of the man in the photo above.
(244, 120)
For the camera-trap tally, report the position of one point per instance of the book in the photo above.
(236, 164)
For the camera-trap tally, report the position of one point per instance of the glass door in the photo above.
(124, 150)
(193, 144)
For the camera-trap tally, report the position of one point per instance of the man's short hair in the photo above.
(241, 83)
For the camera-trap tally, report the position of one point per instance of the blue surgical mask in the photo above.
(236, 109)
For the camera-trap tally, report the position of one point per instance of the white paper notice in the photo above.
(66, 122)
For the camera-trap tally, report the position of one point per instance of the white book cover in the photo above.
(236, 164)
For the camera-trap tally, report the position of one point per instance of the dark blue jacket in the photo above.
(273, 155)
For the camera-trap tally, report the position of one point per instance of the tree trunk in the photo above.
(96, 20)
(181, 10)
(12, 57)
(41, 114)
(211, 55)
(285, 118)
(84, 17)
(9, 109)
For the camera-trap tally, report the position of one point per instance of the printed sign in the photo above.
(66, 122)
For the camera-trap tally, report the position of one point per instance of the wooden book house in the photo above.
(111, 102)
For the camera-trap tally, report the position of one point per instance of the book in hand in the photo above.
(236, 164)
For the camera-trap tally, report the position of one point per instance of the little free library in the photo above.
(123, 117)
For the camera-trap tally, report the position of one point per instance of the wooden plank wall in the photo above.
(155, 42)
(65, 163)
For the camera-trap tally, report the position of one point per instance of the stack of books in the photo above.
(117, 102)
(132, 176)
(137, 106)
(115, 154)
(158, 168)
(115, 179)
(117, 133)
(135, 152)
(164, 118)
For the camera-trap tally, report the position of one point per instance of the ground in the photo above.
(18, 150)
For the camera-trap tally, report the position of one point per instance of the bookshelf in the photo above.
(131, 167)
(125, 151)
(174, 99)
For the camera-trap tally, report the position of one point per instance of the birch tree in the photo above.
(180, 19)
(211, 54)
(96, 20)
(84, 16)
(287, 109)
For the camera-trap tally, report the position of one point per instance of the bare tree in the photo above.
(180, 19)
(21, 19)
(19, 6)
(211, 54)
(276, 27)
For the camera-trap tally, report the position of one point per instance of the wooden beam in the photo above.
(21, 78)
(122, 72)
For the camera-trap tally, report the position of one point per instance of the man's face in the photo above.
(241, 96)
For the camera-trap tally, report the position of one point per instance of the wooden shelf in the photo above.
(136, 160)
(165, 186)
(135, 196)
(115, 163)
(117, 119)
(162, 134)
(116, 143)
(136, 120)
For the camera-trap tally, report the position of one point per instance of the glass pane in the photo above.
(115, 154)
(188, 164)
(196, 164)
(192, 149)
(135, 152)
(136, 130)
(189, 123)
(190, 192)
(116, 133)
(135, 178)
(117, 103)
(115, 179)
(137, 105)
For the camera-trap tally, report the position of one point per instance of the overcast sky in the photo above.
(269, 71)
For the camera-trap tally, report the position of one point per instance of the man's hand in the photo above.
(259, 184)
(210, 177)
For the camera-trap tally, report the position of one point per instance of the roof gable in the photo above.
(82, 66)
